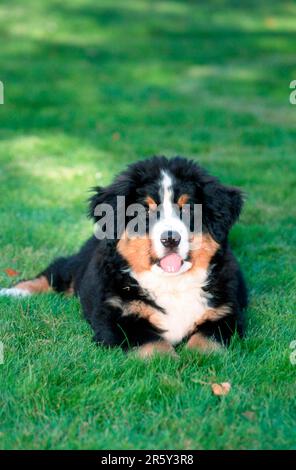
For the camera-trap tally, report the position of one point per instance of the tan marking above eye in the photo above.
(137, 251)
(183, 199)
(151, 203)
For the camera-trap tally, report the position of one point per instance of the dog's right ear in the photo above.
(107, 206)
(121, 186)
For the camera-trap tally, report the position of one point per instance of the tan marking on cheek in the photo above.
(137, 252)
(35, 286)
(203, 344)
(204, 247)
(149, 349)
(151, 203)
(183, 199)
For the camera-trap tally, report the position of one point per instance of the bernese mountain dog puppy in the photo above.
(170, 281)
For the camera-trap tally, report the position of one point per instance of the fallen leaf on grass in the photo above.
(221, 389)
(11, 272)
(217, 389)
(250, 415)
(115, 136)
(270, 22)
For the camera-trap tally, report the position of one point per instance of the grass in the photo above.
(90, 86)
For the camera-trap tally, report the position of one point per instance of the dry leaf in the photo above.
(270, 22)
(250, 415)
(116, 136)
(221, 389)
(11, 272)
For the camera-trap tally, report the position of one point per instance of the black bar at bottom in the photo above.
(146, 458)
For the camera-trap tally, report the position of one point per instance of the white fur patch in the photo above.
(181, 297)
(169, 220)
(167, 188)
(14, 292)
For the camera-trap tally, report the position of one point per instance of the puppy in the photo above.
(162, 277)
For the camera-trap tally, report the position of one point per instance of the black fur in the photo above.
(97, 271)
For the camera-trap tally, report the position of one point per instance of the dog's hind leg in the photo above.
(56, 277)
(62, 275)
(29, 287)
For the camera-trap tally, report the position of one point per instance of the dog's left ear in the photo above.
(221, 208)
(96, 198)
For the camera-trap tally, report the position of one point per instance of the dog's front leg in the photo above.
(148, 350)
(203, 344)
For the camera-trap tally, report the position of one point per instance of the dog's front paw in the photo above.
(157, 347)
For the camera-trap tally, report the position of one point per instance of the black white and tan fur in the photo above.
(126, 295)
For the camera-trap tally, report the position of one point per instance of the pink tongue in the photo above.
(171, 263)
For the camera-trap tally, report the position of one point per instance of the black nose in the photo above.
(170, 239)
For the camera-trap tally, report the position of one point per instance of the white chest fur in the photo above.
(180, 296)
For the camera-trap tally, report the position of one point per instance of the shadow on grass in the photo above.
(133, 64)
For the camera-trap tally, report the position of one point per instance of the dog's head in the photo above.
(166, 215)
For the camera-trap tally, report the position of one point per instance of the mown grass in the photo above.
(90, 86)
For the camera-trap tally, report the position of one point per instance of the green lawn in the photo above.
(90, 86)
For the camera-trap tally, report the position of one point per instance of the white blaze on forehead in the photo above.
(166, 194)
(169, 220)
